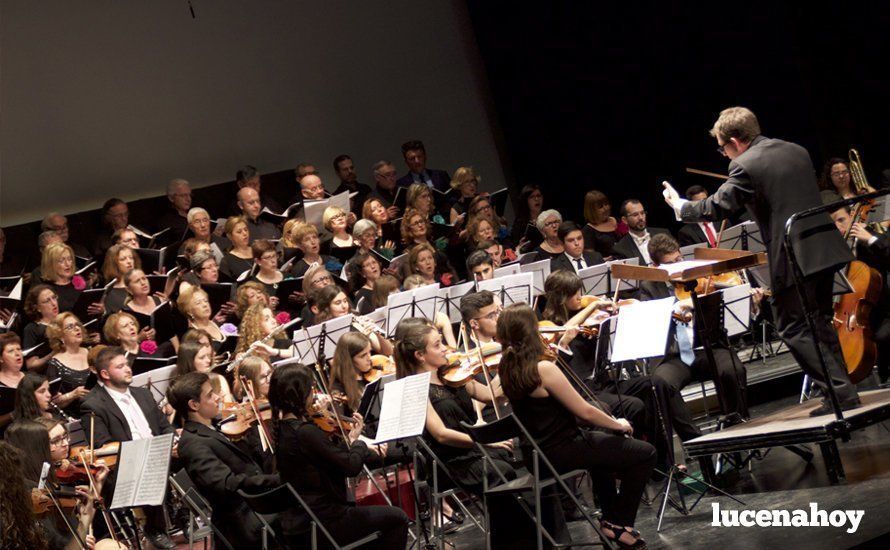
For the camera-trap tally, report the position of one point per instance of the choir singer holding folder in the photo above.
(774, 179)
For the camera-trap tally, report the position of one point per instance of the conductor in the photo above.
(774, 179)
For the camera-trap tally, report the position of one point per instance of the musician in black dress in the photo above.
(317, 464)
(544, 400)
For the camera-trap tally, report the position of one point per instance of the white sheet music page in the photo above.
(403, 408)
(642, 330)
(737, 301)
(160, 380)
(142, 472)
(677, 267)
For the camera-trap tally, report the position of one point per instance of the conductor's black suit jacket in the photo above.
(774, 179)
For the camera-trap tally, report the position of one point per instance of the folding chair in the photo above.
(198, 508)
(437, 494)
(285, 497)
(510, 427)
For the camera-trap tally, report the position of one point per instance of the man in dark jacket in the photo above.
(217, 467)
(774, 179)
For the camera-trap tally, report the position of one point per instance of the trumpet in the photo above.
(857, 173)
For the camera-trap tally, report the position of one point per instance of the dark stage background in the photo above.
(609, 96)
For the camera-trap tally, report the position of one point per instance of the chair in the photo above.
(197, 506)
(285, 497)
(436, 493)
(509, 427)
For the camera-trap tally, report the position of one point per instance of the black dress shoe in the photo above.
(160, 540)
(825, 407)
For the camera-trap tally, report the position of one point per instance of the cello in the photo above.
(852, 313)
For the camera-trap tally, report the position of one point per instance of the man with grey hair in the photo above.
(179, 193)
(774, 179)
(59, 223)
(385, 186)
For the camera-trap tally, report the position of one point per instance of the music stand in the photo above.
(518, 288)
(449, 299)
(311, 341)
(409, 303)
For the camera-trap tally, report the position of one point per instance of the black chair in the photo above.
(509, 427)
(198, 508)
(285, 497)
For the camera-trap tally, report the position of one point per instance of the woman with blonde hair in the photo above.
(466, 183)
(305, 236)
(57, 269)
(194, 304)
(420, 198)
(334, 220)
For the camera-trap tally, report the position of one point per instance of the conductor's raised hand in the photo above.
(670, 195)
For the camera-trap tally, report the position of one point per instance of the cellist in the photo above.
(874, 251)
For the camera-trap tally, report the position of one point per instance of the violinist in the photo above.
(419, 349)
(480, 265)
(352, 360)
(40, 445)
(332, 302)
(317, 464)
(124, 413)
(544, 400)
(217, 466)
(16, 514)
(681, 364)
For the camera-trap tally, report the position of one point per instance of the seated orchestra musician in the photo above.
(678, 367)
(217, 466)
(575, 256)
(544, 400)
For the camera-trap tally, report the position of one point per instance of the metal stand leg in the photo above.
(832, 461)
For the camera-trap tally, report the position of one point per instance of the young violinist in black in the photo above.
(216, 465)
(317, 464)
(548, 405)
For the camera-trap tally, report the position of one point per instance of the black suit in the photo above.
(219, 468)
(772, 180)
(111, 425)
(440, 178)
(627, 248)
(591, 258)
(691, 233)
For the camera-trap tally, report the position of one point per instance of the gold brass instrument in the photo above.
(861, 186)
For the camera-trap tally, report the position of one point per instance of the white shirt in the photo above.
(125, 401)
(642, 245)
(574, 262)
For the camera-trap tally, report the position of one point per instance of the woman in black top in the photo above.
(41, 306)
(66, 337)
(119, 260)
(239, 258)
(363, 269)
(602, 230)
(544, 400)
(531, 204)
(420, 349)
(317, 464)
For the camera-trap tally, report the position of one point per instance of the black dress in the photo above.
(601, 241)
(67, 295)
(364, 307)
(115, 299)
(232, 266)
(34, 333)
(71, 379)
(454, 405)
(317, 467)
(608, 457)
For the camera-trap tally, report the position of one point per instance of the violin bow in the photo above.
(248, 391)
(58, 507)
(96, 496)
(485, 373)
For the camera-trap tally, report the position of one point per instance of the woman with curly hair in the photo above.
(41, 306)
(20, 527)
(363, 269)
(66, 337)
(256, 325)
(466, 183)
(248, 294)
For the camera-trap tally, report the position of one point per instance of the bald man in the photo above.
(250, 205)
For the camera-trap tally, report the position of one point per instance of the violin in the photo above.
(108, 453)
(702, 286)
(551, 332)
(331, 424)
(464, 366)
(42, 503)
(238, 418)
(381, 365)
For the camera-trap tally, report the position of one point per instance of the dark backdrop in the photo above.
(618, 98)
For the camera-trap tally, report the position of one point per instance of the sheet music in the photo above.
(307, 340)
(688, 252)
(512, 289)
(160, 381)
(313, 211)
(540, 270)
(449, 299)
(595, 279)
(503, 271)
(642, 330)
(403, 408)
(142, 472)
(418, 302)
(737, 301)
(625, 285)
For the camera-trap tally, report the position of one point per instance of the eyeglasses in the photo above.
(269, 257)
(59, 441)
(70, 328)
(552, 223)
(322, 279)
(721, 149)
(491, 316)
(417, 223)
(841, 173)
(51, 299)
(388, 175)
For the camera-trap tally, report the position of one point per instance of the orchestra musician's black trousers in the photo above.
(792, 326)
(609, 457)
(360, 521)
